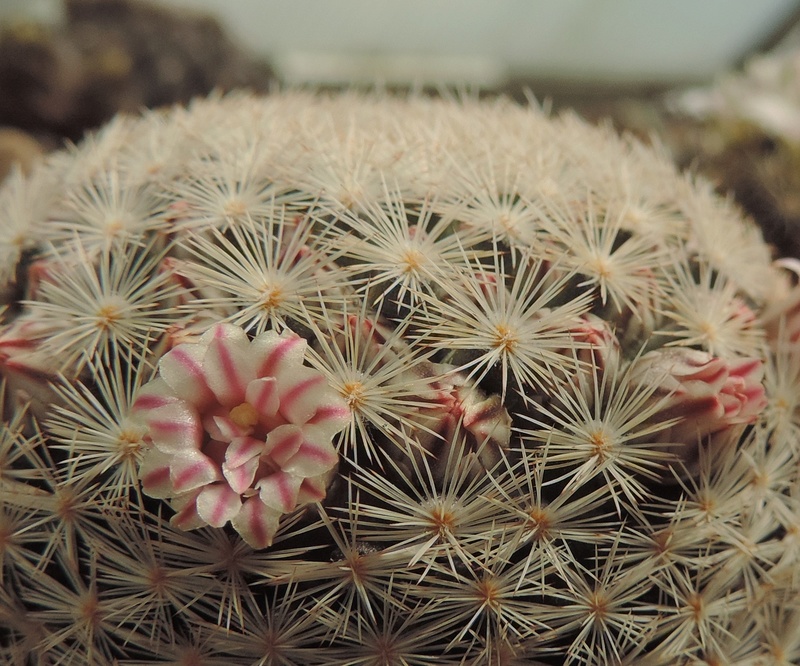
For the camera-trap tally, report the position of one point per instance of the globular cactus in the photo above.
(365, 380)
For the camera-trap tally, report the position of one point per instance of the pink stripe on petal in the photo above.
(241, 478)
(144, 402)
(256, 523)
(312, 459)
(278, 351)
(313, 489)
(279, 491)
(224, 429)
(217, 504)
(228, 368)
(262, 394)
(283, 443)
(174, 427)
(154, 394)
(154, 474)
(186, 517)
(300, 399)
(182, 369)
(331, 417)
(243, 449)
(192, 471)
(156, 477)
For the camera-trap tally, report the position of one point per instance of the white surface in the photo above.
(609, 40)
(577, 39)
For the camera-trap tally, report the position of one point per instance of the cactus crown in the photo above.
(367, 380)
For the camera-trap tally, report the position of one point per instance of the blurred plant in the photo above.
(743, 132)
(111, 56)
(420, 382)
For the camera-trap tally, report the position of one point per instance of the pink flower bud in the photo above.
(596, 351)
(460, 406)
(240, 431)
(705, 394)
(28, 371)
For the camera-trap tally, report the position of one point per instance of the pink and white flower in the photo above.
(241, 431)
(703, 393)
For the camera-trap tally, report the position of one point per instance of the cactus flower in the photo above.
(241, 431)
(706, 394)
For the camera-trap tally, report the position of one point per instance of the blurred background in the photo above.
(717, 82)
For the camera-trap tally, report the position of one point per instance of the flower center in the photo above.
(244, 415)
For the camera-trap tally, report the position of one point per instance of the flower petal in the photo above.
(256, 523)
(279, 491)
(154, 474)
(262, 394)
(173, 427)
(155, 393)
(313, 489)
(217, 504)
(275, 353)
(183, 370)
(283, 442)
(192, 470)
(227, 363)
(332, 415)
(224, 428)
(315, 456)
(301, 393)
(243, 449)
(241, 477)
(186, 516)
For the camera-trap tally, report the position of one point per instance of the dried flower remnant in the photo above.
(241, 431)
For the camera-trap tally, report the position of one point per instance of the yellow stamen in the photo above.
(244, 415)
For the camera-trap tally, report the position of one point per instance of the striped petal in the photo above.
(192, 470)
(217, 504)
(332, 416)
(279, 491)
(186, 516)
(313, 489)
(183, 370)
(228, 364)
(154, 394)
(301, 393)
(315, 456)
(154, 474)
(243, 449)
(283, 443)
(262, 394)
(241, 477)
(224, 429)
(256, 523)
(273, 353)
(174, 427)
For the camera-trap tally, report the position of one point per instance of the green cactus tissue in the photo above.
(366, 380)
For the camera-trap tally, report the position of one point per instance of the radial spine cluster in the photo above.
(367, 380)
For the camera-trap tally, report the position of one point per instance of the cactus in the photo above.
(368, 380)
